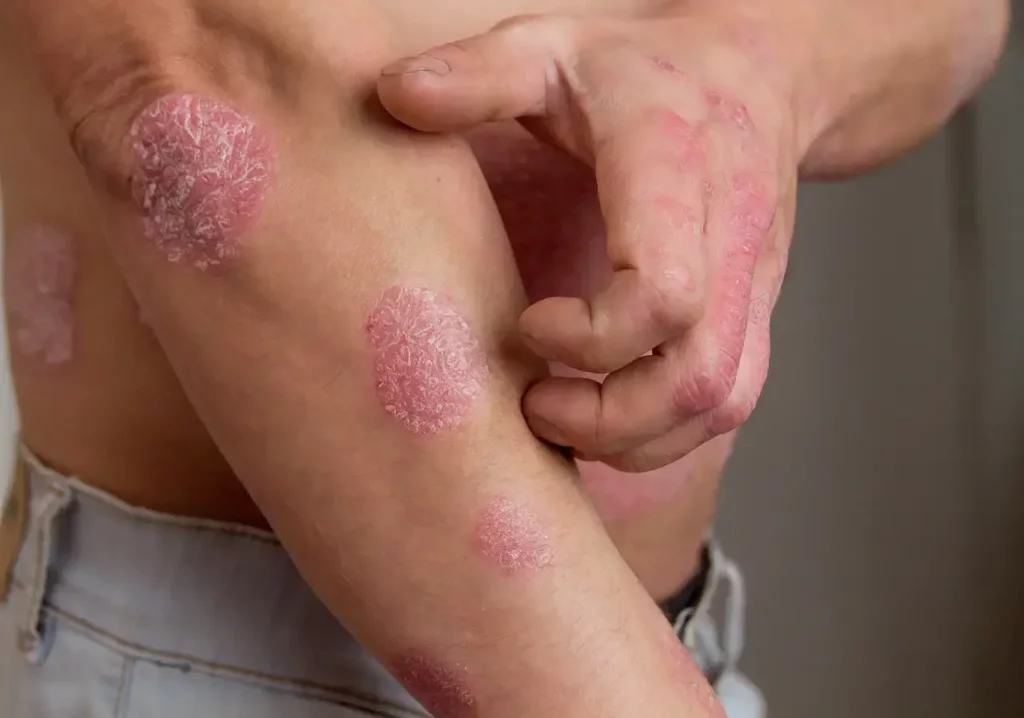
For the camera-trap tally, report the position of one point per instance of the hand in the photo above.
(687, 122)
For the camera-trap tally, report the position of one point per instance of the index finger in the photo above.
(651, 165)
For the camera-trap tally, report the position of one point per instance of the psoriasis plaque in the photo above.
(441, 689)
(40, 284)
(201, 170)
(430, 369)
(513, 538)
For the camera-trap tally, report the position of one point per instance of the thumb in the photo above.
(505, 73)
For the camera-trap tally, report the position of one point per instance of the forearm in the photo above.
(448, 539)
(393, 461)
(869, 78)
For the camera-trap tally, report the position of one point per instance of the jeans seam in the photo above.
(50, 481)
(137, 514)
(124, 687)
(31, 634)
(303, 688)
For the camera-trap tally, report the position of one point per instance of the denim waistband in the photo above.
(202, 594)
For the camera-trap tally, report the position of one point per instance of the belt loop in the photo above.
(12, 524)
(33, 636)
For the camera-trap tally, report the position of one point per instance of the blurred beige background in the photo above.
(876, 500)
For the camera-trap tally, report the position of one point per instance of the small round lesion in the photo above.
(430, 368)
(40, 286)
(512, 536)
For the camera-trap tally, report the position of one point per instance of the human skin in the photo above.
(846, 107)
(39, 284)
(697, 122)
(116, 415)
(660, 541)
(301, 305)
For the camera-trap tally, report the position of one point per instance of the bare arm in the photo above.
(339, 301)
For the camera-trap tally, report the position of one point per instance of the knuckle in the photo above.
(732, 414)
(739, 407)
(706, 385)
(677, 300)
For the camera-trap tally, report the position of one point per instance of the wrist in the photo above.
(869, 80)
(783, 41)
(799, 60)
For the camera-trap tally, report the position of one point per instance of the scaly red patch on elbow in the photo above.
(442, 690)
(200, 172)
(512, 537)
(430, 369)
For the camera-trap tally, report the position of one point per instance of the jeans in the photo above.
(114, 611)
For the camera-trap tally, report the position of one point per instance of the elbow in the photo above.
(184, 165)
(174, 116)
(257, 57)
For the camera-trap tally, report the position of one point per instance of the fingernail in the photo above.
(420, 63)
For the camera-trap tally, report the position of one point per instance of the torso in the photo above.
(114, 414)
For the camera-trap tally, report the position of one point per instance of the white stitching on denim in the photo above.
(302, 688)
(136, 652)
(64, 485)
